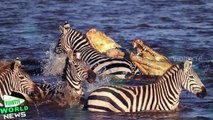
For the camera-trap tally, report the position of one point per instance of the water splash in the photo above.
(63, 94)
(55, 63)
(68, 95)
(88, 88)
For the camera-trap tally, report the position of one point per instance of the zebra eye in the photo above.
(191, 77)
(21, 77)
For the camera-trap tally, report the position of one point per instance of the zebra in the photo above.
(13, 79)
(162, 95)
(75, 71)
(99, 63)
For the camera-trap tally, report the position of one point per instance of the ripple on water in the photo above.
(178, 29)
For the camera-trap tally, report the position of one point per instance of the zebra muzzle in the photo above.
(91, 76)
(203, 93)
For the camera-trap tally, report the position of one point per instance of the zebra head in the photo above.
(61, 45)
(80, 69)
(192, 82)
(21, 81)
(70, 39)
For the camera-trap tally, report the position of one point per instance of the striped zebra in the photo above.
(74, 72)
(162, 95)
(13, 79)
(99, 63)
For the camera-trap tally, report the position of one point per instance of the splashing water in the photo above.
(54, 65)
(68, 95)
(88, 88)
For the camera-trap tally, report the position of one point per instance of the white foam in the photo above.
(89, 87)
(55, 63)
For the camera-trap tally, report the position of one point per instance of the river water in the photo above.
(177, 28)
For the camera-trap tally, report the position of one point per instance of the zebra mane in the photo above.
(79, 32)
(67, 65)
(181, 65)
(173, 68)
(5, 65)
(84, 36)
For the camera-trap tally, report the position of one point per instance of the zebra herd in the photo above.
(85, 63)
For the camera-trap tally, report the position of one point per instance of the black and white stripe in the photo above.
(15, 79)
(99, 63)
(75, 71)
(160, 96)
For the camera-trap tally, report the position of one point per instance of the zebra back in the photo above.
(98, 62)
(160, 96)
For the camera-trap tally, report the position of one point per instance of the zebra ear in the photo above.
(187, 65)
(17, 64)
(66, 25)
(62, 29)
(70, 54)
(181, 65)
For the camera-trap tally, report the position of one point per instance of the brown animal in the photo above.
(151, 62)
(100, 41)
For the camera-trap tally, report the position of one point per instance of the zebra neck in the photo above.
(7, 85)
(79, 42)
(77, 87)
(169, 89)
(71, 79)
